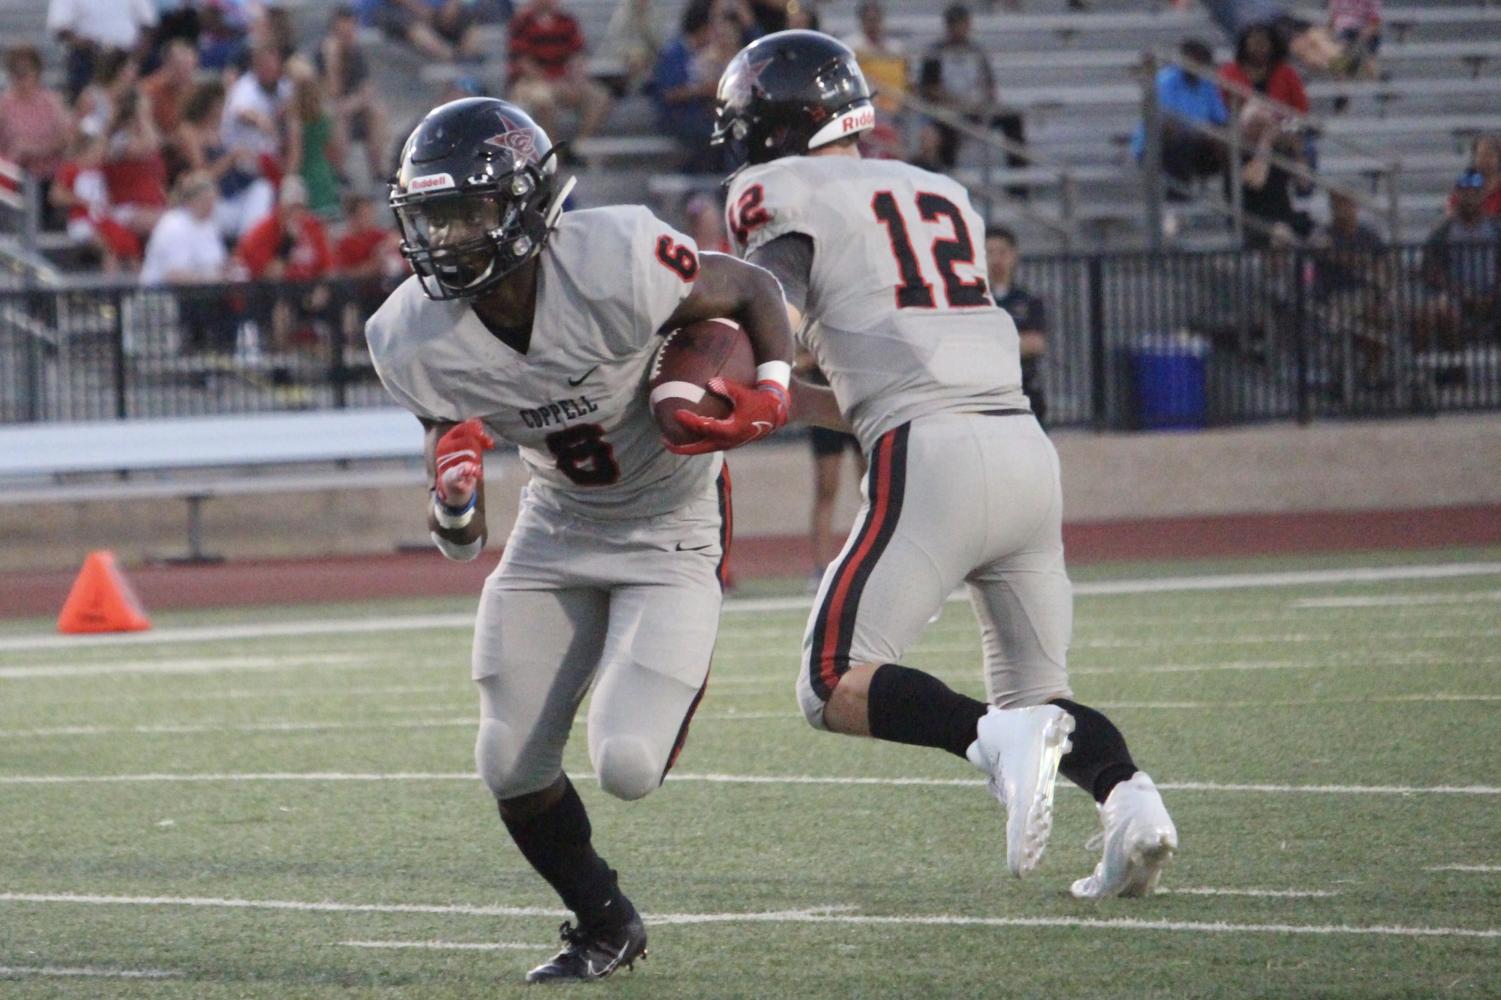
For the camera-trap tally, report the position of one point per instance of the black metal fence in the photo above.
(1135, 340)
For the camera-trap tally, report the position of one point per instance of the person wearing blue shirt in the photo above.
(1184, 97)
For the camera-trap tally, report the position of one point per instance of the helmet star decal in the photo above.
(519, 141)
(743, 85)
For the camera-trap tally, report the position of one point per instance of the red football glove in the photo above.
(754, 414)
(459, 457)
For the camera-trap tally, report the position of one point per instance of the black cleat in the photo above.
(593, 954)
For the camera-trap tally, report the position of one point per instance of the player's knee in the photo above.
(497, 760)
(812, 704)
(627, 767)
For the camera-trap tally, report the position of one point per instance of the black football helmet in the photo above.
(475, 195)
(787, 93)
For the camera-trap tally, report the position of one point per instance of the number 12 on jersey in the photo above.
(915, 292)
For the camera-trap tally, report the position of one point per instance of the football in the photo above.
(687, 359)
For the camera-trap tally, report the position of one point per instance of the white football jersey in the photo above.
(576, 403)
(902, 320)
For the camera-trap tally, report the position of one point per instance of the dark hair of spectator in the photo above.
(696, 16)
(869, 7)
(1195, 50)
(955, 12)
(201, 102)
(341, 11)
(1001, 233)
(1275, 41)
(21, 56)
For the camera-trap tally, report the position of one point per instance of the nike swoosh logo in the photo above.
(692, 548)
(576, 382)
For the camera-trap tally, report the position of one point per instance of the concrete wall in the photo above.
(1357, 466)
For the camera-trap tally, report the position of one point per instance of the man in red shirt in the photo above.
(547, 72)
(289, 245)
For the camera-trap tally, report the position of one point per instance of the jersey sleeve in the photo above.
(664, 266)
(764, 204)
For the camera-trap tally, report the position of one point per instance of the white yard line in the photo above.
(464, 620)
(1396, 600)
(16, 971)
(206, 665)
(819, 915)
(450, 945)
(1257, 893)
(1476, 869)
(719, 779)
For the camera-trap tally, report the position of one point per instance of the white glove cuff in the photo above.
(455, 551)
(451, 518)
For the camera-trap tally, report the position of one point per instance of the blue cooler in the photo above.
(1168, 380)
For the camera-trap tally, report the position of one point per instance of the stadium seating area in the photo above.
(1073, 74)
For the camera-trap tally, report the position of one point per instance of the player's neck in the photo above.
(507, 309)
(852, 151)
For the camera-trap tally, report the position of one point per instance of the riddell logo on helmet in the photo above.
(430, 182)
(864, 118)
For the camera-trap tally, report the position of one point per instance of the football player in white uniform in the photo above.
(539, 326)
(885, 262)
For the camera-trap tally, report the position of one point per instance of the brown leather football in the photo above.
(685, 362)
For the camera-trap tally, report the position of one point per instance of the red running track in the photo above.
(164, 587)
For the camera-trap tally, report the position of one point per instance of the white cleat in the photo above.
(1139, 840)
(1019, 748)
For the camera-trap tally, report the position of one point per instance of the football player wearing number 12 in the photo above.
(539, 326)
(886, 263)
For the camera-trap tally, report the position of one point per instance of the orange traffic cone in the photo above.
(102, 600)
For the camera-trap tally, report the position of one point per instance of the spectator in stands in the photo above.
(1261, 64)
(1351, 283)
(185, 251)
(883, 60)
(1461, 271)
(289, 245)
(78, 191)
(115, 76)
(175, 19)
(347, 83)
(245, 197)
(1357, 24)
(90, 28)
(315, 140)
(224, 33)
(1312, 45)
(271, 24)
(1029, 312)
(635, 37)
(168, 88)
(439, 29)
(134, 171)
(368, 251)
(686, 78)
(956, 74)
(547, 72)
(35, 127)
(253, 111)
(1485, 157)
(1266, 187)
(705, 216)
(1185, 98)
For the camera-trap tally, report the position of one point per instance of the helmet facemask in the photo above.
(462, 244)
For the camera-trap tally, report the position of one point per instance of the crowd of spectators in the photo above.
(193, 143)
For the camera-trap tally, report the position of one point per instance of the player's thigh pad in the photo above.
(652, 675)
(913, 542)
(535, 651)
(1022, 596)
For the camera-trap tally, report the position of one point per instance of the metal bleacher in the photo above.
(1073, 74)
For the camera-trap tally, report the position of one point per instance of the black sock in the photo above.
(556, 842)
(909, 706)
(1099, 760)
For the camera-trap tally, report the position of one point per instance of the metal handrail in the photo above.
(992, 141)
